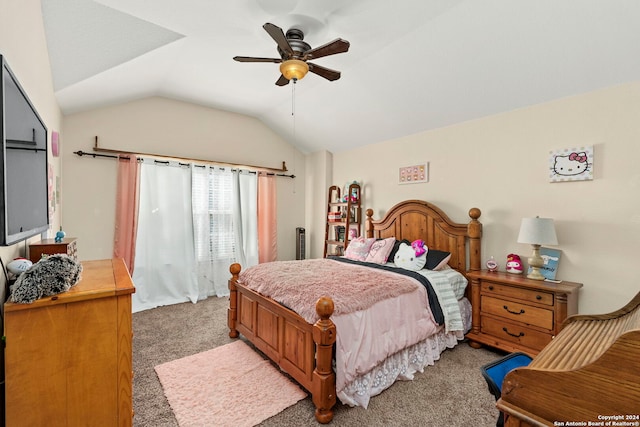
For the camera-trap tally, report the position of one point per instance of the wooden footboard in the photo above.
(300, 349)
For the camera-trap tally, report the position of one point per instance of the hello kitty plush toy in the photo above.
(514, 264)
(407, 256)
(419, 247)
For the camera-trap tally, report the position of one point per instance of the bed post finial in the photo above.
(369, 223)
(474, 230)
(232, 311)
(324, 382)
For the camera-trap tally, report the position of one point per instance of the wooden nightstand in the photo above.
(513, 313)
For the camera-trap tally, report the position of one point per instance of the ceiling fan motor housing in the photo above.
(295, 37)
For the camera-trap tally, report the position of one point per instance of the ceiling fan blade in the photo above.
(277, 34)
(325, 72)
(252, 59)
(282, 81)
(331, 48)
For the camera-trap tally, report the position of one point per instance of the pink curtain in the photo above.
(267, 229)
(124, 244)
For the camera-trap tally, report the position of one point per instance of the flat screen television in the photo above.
(24, 210)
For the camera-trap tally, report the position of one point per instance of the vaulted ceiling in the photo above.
(413, 65)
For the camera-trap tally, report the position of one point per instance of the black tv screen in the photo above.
(24, 199)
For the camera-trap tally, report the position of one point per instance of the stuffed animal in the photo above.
(18, 266)
(419, 247)
(49, 276)
(514, 264)
(407, 257)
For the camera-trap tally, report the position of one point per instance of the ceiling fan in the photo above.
(295, 52)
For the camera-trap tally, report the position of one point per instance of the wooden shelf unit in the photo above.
(349, 213)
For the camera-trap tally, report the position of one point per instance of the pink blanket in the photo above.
(299, 284)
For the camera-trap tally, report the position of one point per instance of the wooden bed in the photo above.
(305, 350)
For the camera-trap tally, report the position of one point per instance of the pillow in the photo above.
(380, 250)
(456, 279)
(358, 248)
(437, 260)
(406, 258)
(396, 245)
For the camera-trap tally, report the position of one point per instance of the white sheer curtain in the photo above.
(165, 270)
(213, 228)
(245, 217)
(193, 222)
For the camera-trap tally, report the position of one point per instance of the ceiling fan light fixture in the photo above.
(294, 69)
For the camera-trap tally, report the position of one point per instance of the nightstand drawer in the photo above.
(518, 293)
(515, 333)
(517, 312)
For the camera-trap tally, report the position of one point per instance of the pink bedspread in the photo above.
(378, 314)
(299, 284)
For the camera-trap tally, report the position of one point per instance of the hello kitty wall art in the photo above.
(571, 164)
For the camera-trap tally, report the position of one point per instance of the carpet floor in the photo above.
(450, 393)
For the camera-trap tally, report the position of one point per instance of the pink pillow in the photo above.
(358, 248)
(380, 250)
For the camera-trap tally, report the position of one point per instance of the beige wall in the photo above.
(499, 164)
(319, 171)
(163, 126)
(24, 47)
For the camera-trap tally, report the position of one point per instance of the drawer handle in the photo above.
(513, 312)
(538, 297)
(491, 287)
(521, 334)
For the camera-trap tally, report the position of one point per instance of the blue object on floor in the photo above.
(495, 372)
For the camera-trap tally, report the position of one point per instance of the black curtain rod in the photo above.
(166, 162)
(94, 155)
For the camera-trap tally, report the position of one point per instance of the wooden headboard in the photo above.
(417, 219)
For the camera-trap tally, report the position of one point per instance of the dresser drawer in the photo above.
(516, 333)
(517, 312)
(491, 288)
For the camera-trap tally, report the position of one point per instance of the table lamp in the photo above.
(537, 231)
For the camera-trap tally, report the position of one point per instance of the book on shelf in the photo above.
(339, 230)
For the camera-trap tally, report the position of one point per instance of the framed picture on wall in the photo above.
(571, 164)
(415, 174)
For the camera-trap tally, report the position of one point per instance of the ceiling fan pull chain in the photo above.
(293, 97)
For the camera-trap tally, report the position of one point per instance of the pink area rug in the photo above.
(231, 385)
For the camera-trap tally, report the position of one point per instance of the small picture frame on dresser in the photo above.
(551, 258)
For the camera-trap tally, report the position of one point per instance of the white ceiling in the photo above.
(413, 65)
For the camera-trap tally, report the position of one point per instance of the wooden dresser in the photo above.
(513, 313)
(68, 358)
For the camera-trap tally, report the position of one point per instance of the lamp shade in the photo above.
(294, 69)
(537, 231)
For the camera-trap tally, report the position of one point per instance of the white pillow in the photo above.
(458, 281)
(406, 258)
